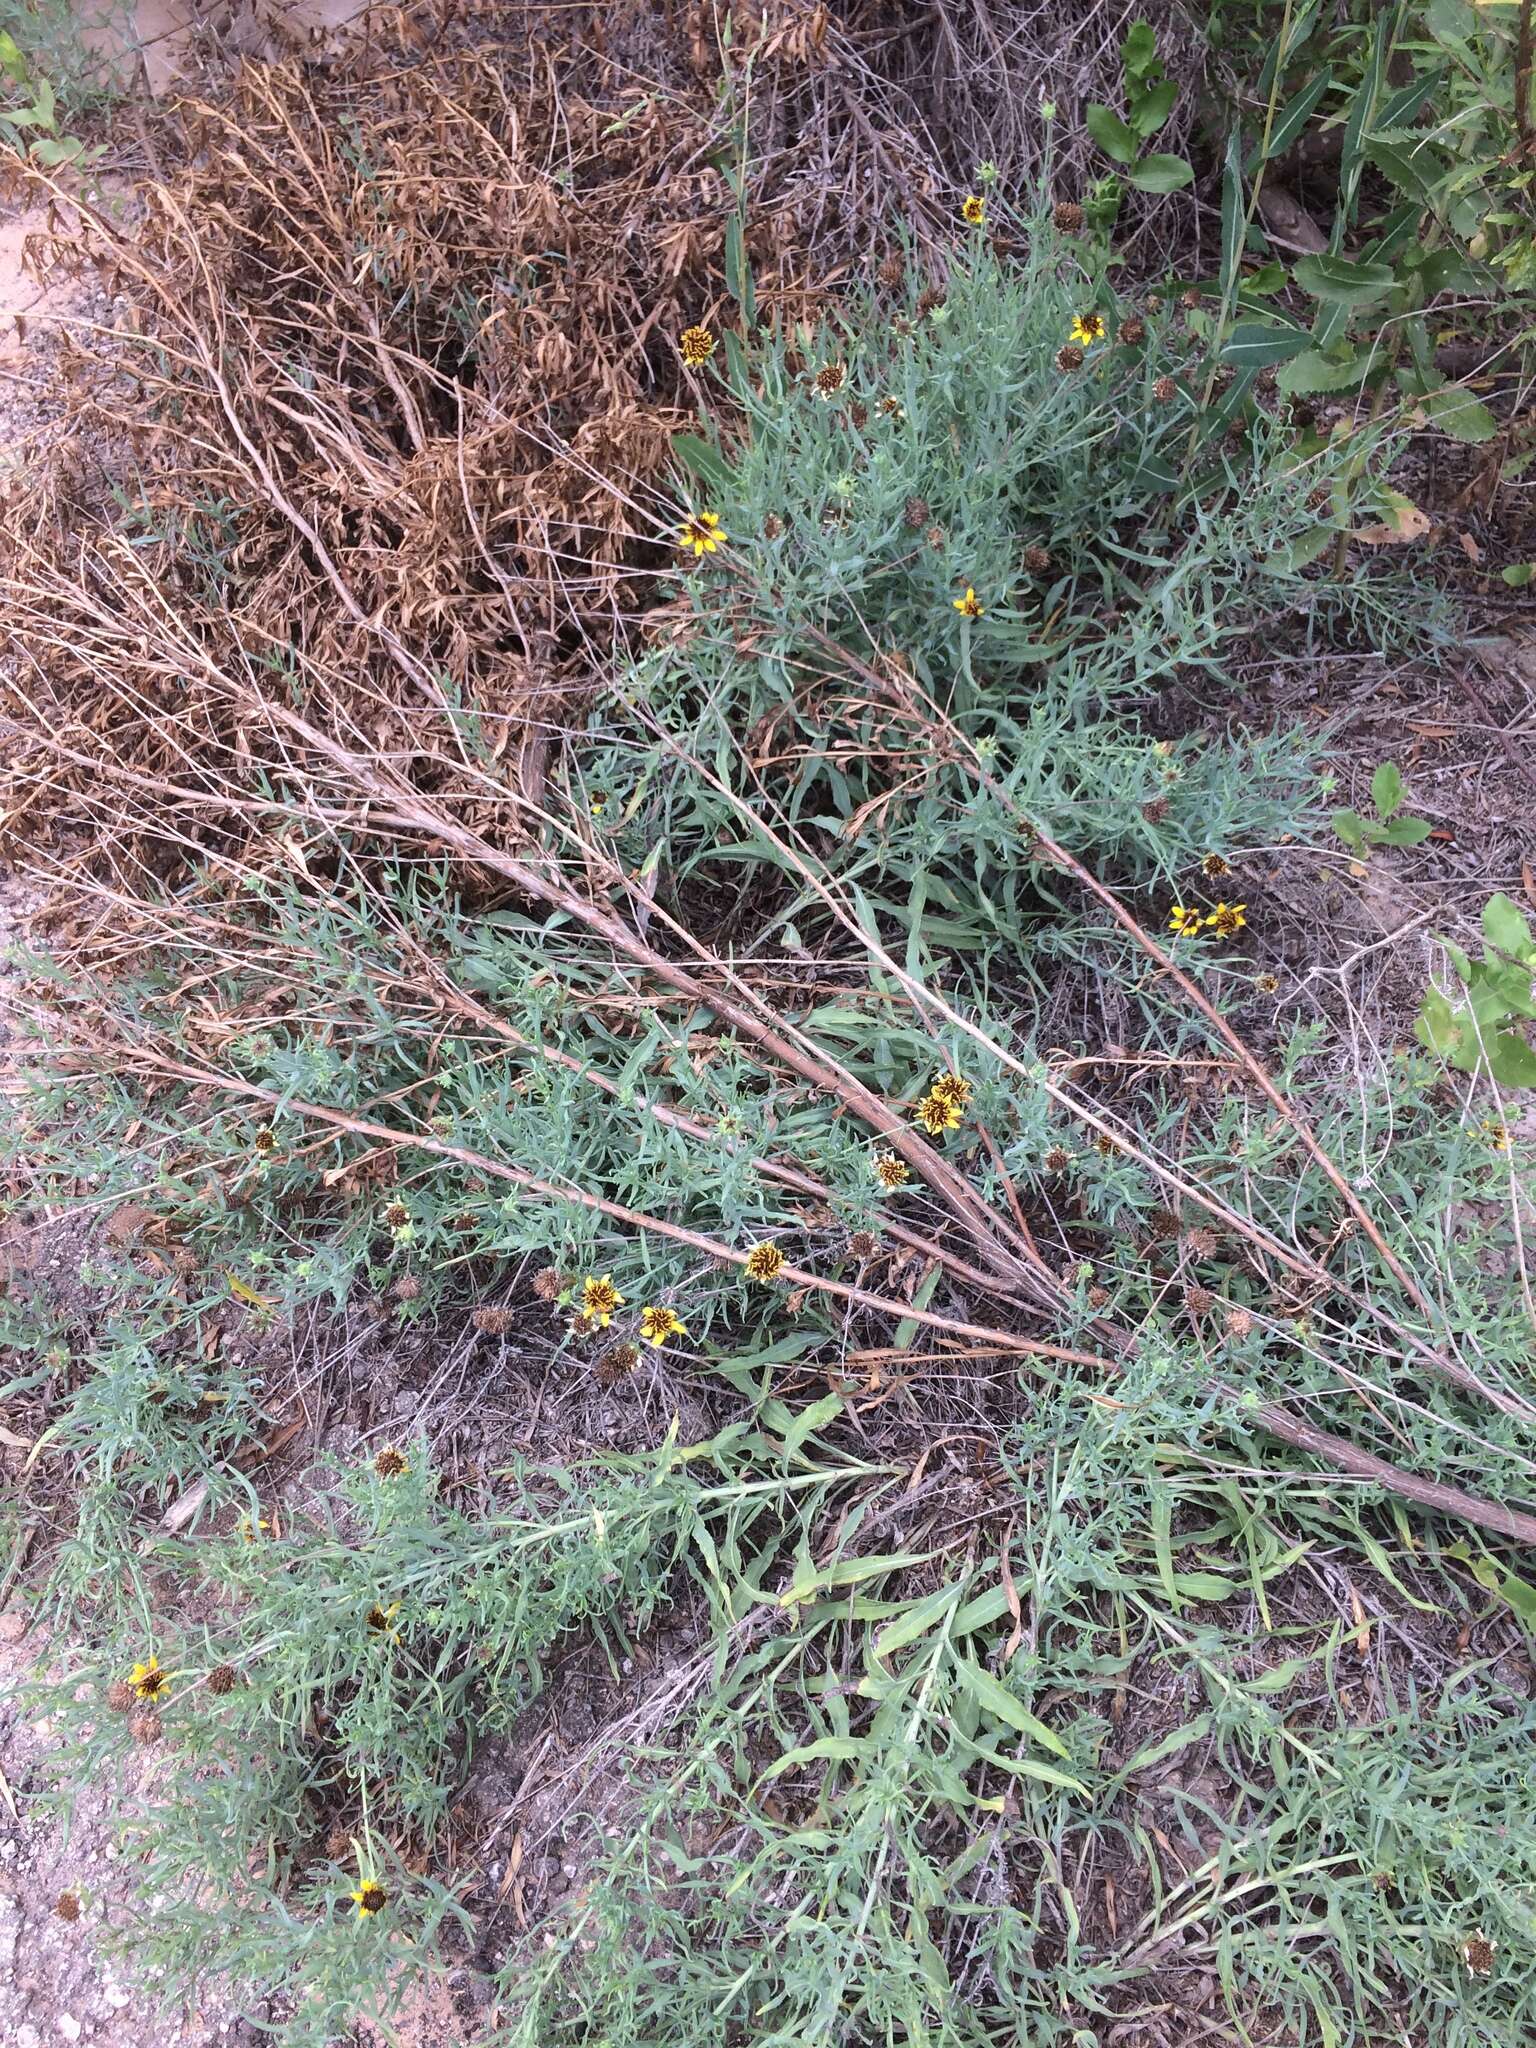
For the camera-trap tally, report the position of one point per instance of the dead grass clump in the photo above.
(392, 430)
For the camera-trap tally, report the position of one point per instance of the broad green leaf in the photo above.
(1303, 551)
(1456, 412)
(1512, 1061)
(1151, 109)
(995, 1699)
(1342, 283)
(1518, 574)
(1437, 1026)
(1256, 344)
(1138, 53)
(701, 459)
(1306, 375)
(1111, 134)
(1407, 832)
(1157, 173)
(1350, 827)
(1387, 790)
(1505, 927)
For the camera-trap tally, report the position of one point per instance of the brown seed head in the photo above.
(935, 537)
(492, 1322)
(1057, 1160)
(1098, 1297)
(863, 1245)
(1238, 1322)
(616, 1364)
(406, 1288)
(929, 299)
(1199, 1300)
(1105, 1145)
(1200, 1243)
(121, 1696)
(892, 274)
(1132, 333)
(1068, 216)
(1190, 301)
(1069, 357)
(67, 1906)
(397, 1215)
(222, 1679)
(915, 513)
(1165, 390)
(390, 1463)
(548, 1283)
(773, 526)
(146, 1729)
(1155, 809)
(858, 413)
(1037, 560)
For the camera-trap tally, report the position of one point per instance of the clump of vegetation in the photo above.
(1029, 1381)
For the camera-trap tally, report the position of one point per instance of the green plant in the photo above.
(1150, 95)
(1481, 1034)
(987, 1339)
(31, 124)
(1387, 828)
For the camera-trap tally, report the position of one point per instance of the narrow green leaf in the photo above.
(1290, 121)
(995, 1699)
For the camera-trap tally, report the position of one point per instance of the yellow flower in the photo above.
(936, 1115)
(1495, 1133)
(248, 1530)
(658, 1324)
(973, 211)
(148, 1680)
(969, 606)
(369, 1898)
(953, 1088)
(599, 1299)
(696, 346)
(1088, 328)
(892, 408)
(890, 1171)
(598, 805)
(1185, 922)
(391, 1464)
(1213, 867)
(1228, 919)
(381, 1620)
(702, 532)
(765, 1262)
